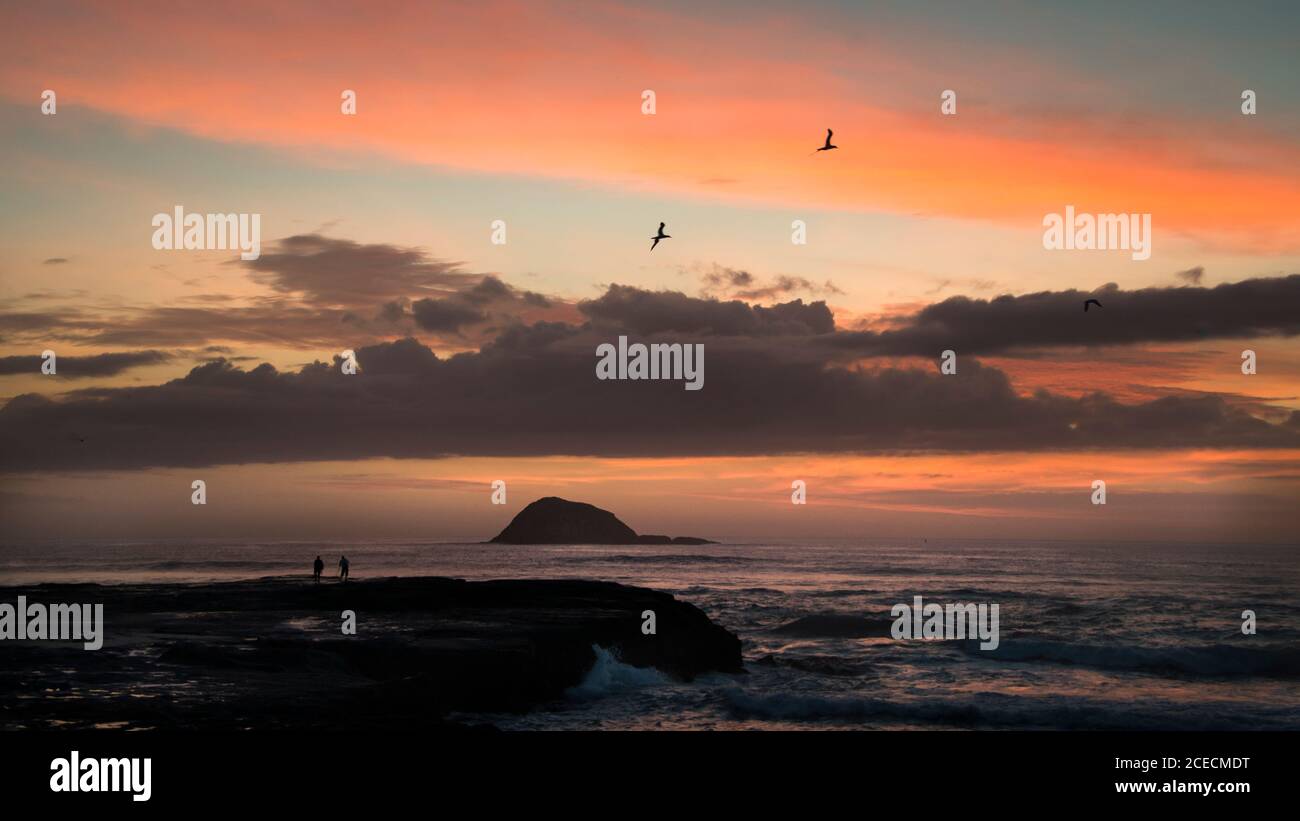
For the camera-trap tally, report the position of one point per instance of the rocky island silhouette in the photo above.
(552, 520)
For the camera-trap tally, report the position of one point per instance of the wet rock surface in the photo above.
(270, 653)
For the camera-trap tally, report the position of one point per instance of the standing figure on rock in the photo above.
(343, 568)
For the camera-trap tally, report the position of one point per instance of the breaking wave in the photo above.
(1205, 660)
(997, 711)
(609, 675)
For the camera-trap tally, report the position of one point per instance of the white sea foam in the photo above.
(609, 675)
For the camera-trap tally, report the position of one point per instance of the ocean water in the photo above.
(1092, 636)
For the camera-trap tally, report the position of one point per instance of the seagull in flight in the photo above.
(828, 145)
(1088, 302)
(659, 236)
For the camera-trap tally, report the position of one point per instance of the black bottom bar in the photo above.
(1009, 770)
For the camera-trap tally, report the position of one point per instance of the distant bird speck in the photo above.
(659, 236)
(828, 145)
(1088, 302)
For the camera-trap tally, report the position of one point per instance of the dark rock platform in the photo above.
(270, 653)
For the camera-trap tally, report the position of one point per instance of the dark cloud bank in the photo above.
(1006, 324)
(329, 292)
(82, 367)
(778, 379)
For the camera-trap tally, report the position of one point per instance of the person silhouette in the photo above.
(316, 568)
(343, 568)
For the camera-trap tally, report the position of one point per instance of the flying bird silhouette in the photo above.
(1088, 302)
(659, 236)
(828, 145)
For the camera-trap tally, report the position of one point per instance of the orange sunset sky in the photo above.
(477, 360)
